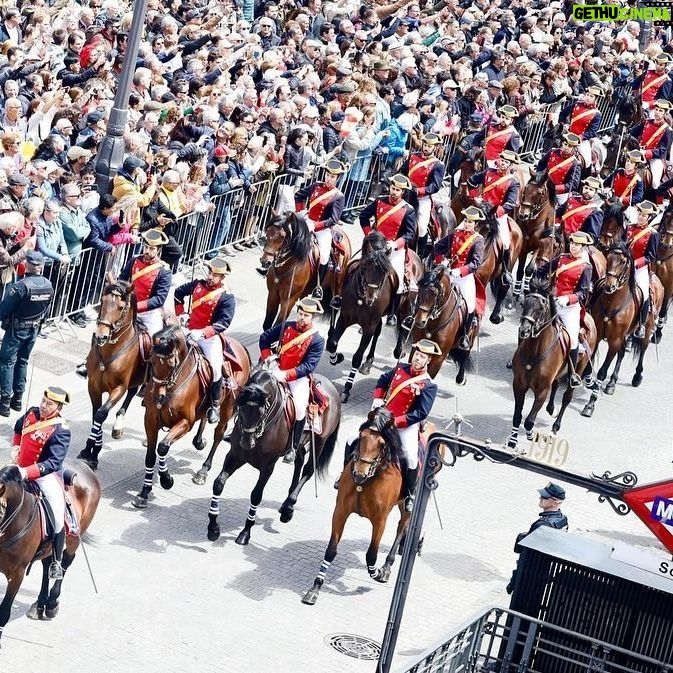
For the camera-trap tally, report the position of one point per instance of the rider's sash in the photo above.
(570, 265)
(561, 165)
(321, 198)
(655, 82)
(466, 243)
(390, 212)
(585, 113)
(640, 234)
(39, 425)
(146, 270)
(404, 384)
(421, 164)
(300, 338)
(652, 141)
(213, 294)
(497, 183)
(589, 207)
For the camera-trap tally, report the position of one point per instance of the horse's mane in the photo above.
(255, 391)
(490, 225)
(379, 260)
(430, 278)
(543, 286)
(383, 422)
(623, 248)
(165, 341)
(540, 179)
(298, 235)
(374, 240)
(614, 211)
(10, 475)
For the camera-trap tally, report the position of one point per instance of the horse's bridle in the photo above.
(172, 378)
(537, 326)
(621, 278)
(535, 208)
(117, 327)
(363, 285)
(372, 465)
(268, 417)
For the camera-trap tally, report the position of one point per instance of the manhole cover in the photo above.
(357, 647)
(52, 364)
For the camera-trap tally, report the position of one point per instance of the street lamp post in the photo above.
(111, 151)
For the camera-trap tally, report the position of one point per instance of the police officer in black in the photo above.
(21, 311)
(551, 498)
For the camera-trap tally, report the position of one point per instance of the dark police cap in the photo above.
(34, 258)
(552, 490)
(132, 162)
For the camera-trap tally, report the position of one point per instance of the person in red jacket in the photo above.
(41, 442)
(643, 239)
(626, 183)
(563, 167)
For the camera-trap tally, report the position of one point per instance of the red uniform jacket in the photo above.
(558, 169)
(624, 185)
(652, 82)
(420, 168)
(652, 136)
(204, 302)
(389, 218)
(143, 277)
(581, 118)
(576, 213)
(496, 142)
(568, 275)
(638, 239)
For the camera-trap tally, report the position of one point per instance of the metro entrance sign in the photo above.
(653, 505)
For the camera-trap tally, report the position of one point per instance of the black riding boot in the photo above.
(422, 245)
(642, 320)
(322, 271)
(410, 478)
(394, 308)
(56, 569)
(575, 380)
(297, 431)
(465, 343)
(214, 411)
(506, 261)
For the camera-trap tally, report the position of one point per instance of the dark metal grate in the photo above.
(354, 646)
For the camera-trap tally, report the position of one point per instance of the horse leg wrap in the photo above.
(214, 509)
(96, 433)
(149, 477)
(334, 359)
(162, 464)
(351, 377)
(374, 572)
(324, 567)
(517, 287)
(513, 436)
(252, 513)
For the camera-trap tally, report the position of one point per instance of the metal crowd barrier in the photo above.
(538, 124)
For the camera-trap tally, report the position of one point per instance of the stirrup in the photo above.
(335, 303)
(290, 456)
(55, 571)
(317, 292)
(640, 332)
(409, 502)
(575, 380)
(213, 415)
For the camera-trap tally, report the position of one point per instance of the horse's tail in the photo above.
(327, 451)
(463, 359)
(637, 347)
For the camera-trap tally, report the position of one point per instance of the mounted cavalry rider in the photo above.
(500, 189)
(500, 136)
(151, 280)
(655, 84)
(466, 145)
(655, 138)
(584, 120)
(298, 348)
(322, 203)
(462, 251)
(643, 240)
(210, 310)
(571, 274)
(582, 212)
(408, 392)
(563, 167)
(426, 173)
(626, 183)
(396, 220)
(41, 442)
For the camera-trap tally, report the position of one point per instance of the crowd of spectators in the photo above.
(225, 95)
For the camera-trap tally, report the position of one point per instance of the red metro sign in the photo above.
(653, 505)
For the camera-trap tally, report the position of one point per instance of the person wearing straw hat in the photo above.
(571, 273)
(41, 442)
(626, 183)
(655, 137)
(582, 212)
(462, 251)
(426, 173)
(396, 220)
(643, 240)
(584, 120)
(211, 310)
(500, 189)
(654, 84)
(22, 311)
(500, 136)
(300, 347)
(563, 167)
(322, 204)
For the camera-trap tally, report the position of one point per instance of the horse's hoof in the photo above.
(345, 397)
(337, 359)
(200, 444)
(286, 514)
(587, 412)
(310, 598)
(166, 481)
(243, 537)
(461, 380)
(656, 337)
(50, 613)
(213, 532)
(117, 433)
(555, 428)
(366, 367)
(610, 389)
(497, 319)
(637, 380)
(384, 575)
(200, 477)
(35, 612)
(139, 502)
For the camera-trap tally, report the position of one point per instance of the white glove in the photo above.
(563, 301)
(23, 473)
(280, 374)
(455, 273)
(377, 403)
(195, 335)
(390, 247)
(14, 456)
(271, 360)
(183, 319)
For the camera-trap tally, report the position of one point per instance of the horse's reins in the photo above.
(175, 373)
(373, 465)
(546, 323)
(103, 364)
(269, 415)
(6, 523)
(437, 312)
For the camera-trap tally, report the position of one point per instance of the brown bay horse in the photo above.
(536, 215)
(262, 433)
(438, 313)
(292, 253)
(21, 527)
(178, 395)
(114, 364)
(541, 358)
(612, 229)
(663, 268)
(615, 309)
